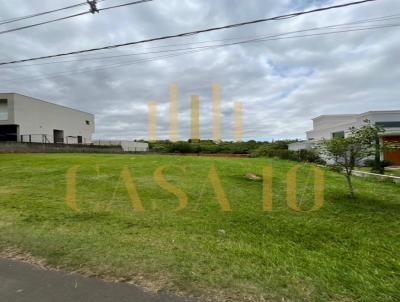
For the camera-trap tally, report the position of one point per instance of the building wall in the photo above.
(36, 117)
(127, 146)
(385, 116)
(326, 132)
(13, 147)
(305, 145)
(326, 121)
(324, 126)
(382, 116)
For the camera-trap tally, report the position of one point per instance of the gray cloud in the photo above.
(282, 84)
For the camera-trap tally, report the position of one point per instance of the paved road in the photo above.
(21, 282)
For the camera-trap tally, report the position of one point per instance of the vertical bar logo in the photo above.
(195, 117)
(237, 122)
(173, 113)
(152, 121)
(216, 96)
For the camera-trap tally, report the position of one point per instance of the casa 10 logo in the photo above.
(215, 181)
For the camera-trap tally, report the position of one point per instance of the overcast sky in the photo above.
(282, 84)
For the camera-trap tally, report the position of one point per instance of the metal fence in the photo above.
(127, 146)
(36, 138)
(49, 139)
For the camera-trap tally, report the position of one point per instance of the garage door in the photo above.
(392, 155)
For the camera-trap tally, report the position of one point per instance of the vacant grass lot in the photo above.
(346, 251)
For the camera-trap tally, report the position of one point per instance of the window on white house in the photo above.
(3, 110)
(87, 122)
(338, 134)
(388, 124)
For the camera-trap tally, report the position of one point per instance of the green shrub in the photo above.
(180, 147)
(371, 163)
(208, 147)
(377, 167)
(301, 155)
(310, 156)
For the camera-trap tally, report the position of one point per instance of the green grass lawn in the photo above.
(349, 250)
(393, 172)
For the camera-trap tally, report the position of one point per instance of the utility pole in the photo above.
(93, 6)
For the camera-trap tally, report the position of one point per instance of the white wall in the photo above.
(127, 146)
(324, 126)
(36, 117)
(381, 116)
(305, 145)
(326, 121)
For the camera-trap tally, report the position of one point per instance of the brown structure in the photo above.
(392, 155)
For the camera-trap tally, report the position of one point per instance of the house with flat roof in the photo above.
(338, 125)
(26, 119)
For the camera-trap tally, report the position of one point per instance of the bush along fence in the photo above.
(278, 149)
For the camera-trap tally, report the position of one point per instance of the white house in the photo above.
(26, 119)
(330, 126)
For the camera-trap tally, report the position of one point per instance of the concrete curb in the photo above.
(395, 179)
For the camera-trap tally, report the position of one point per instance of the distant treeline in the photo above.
(278, 149)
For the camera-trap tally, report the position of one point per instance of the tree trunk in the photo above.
(378, 165)
(350, 184)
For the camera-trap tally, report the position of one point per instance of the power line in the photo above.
(377, 19)
(125, 4)
(104, 67)
(292, 15)
(71, 16)
(204, 48)
(16, 19)
(335, 26)
(40, 14)
(42, 23)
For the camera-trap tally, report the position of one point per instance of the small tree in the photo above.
(347, 152)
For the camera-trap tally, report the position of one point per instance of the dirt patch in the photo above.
(9, 190)
(252, 176)
(209, 155)
(16, 254)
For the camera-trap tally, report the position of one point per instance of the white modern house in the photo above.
(338, 125)
(29, 120)
(26, 119)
